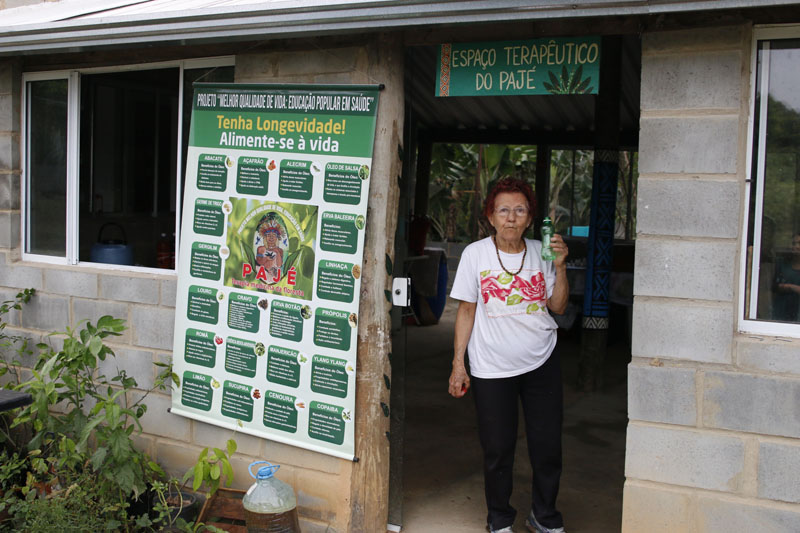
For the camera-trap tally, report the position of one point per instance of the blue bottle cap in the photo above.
(265, 472)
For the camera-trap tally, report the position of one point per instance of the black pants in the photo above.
(497, 403)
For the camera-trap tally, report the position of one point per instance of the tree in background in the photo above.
(461, 175)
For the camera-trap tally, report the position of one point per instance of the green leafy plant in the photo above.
(12, 344)
(167, 509)
(80, 427)
(75, 507)
(88, 406)
(461, 175)
(212, 465)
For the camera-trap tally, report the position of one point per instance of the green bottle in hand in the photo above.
(547, 232)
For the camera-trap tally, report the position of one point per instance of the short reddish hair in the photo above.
(510, 185)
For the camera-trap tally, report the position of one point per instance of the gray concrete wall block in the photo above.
(662, 394)
(685, 269)
(9, 191)
(701, 145)
(21, 277)
(779, 472)
(9, 230)
(137, 364)
(342, 78)
(726, 37)
(20, 346)
(158, 421)
(70, 282)
(92, 310)
(768, 354)
(256, 67)
(6, 112)
(307, 525)
(768, 405)
(691, 81)
(7, 295)
(47, 313)
(129, 289)
(152, 327)
(688, 208)
(655, 510)
(678, 329)
(6, 76)
(683, 457)
(9, 97)
(304, 62)
(25, 375)
(724, 515)
(168, 292)
(306, 459)
(215, 436)
(9, 151)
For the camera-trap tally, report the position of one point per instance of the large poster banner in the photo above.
(272, 237)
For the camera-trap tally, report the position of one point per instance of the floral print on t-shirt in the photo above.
(506, 294)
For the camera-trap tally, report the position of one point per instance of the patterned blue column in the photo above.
(600, 244)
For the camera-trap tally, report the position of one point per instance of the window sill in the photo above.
(97, 268)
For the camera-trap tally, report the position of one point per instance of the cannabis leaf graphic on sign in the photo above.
(569, 82)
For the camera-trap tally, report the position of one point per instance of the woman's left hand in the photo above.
(560, 248)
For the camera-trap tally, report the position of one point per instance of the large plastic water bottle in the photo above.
(270, 505)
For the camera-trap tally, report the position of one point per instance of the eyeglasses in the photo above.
(519, 211)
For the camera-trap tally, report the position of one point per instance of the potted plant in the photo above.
(175, 508)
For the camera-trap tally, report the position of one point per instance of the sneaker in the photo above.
(535, 527)
(503, 530)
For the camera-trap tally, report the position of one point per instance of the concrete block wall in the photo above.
(714, 434)
(67, 295)
(9, 152)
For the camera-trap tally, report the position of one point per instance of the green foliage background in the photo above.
(781, 178)
(462, 174)
(300, 253)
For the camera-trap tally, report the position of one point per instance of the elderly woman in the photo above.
(505, 290)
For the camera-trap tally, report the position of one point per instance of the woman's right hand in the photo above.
(459, 382)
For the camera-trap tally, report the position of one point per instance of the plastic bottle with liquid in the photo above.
(547, 232)
(163, 249)
(270, 505)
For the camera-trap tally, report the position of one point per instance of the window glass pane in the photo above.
(571, 191)
(779, 266)
(128, 156)
(47, 167)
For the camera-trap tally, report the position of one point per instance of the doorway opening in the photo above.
(456, 148)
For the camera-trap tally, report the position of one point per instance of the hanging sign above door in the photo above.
(538, 66)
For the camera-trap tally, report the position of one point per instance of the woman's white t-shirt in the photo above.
(513, 331)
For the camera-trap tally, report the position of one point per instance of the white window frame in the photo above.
(71, 256)
(747, 325)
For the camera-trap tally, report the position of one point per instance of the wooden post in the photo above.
(369, 487)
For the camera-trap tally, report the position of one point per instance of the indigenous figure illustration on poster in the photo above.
(272, 247)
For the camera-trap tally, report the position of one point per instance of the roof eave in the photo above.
(214, 25)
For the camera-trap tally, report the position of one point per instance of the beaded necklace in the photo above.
(497, 251)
